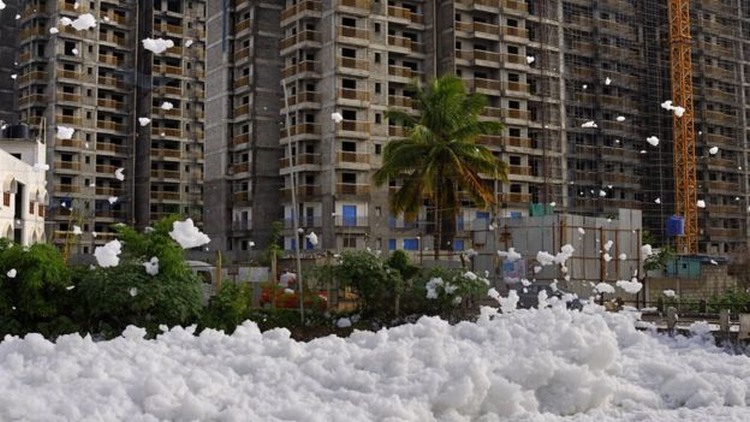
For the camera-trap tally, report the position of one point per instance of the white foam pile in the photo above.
(529, 365)
(84, 22)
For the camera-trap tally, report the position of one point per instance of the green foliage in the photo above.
(112, 298)
(735, 301)
(275, 247)
(444, 291)
(377, 284)
(659, 260)
(31, 301)
(229, 308)
(440, 159)
(400, 261)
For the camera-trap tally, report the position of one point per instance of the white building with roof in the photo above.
(23, 195)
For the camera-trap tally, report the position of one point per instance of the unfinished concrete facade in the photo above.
(8, 60)
(577, 83)
(100, 81)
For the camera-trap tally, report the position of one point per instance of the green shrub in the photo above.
(33, 300)
(378, 285)
(112, 298)
(229, 308)
(443, 291)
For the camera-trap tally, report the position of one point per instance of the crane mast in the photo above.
(681, 71)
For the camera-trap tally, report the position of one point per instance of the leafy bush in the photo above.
(378, 285)
(229, 308)
(444, 292)
(32, 300)
(112, 298)
(735, 301)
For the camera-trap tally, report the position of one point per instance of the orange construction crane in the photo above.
(681, 71)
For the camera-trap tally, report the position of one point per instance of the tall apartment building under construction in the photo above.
(577, 83)
(100, 81)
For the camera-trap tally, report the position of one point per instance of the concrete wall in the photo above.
(14, 173)
(589, 236)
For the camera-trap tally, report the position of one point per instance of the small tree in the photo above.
(33, 283)
(115, 297)
(377, 284)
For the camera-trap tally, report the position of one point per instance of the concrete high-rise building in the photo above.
(578, 85)
(131, 109)
(8, 58)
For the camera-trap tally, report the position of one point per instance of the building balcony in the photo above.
(168, 70)
(301, 160)
(34, 31)
(110, 147)
(404, 14)
(490, 140)
(169, 29)
(397, 131)
(35, 76)
(718, 185)
(111, 104)
(242, 82)
(165, 195)
(68, 188)
(309, 7)
(357, 189)
(239, 168)
(166, 152)
(361, 126)
(112, 82)
(353, 63)
(110, 125)
(300, 68)
(67, 165)
(399, 101)
(514, 31)
(165, 174)
(515, 5)
(31, 99)
(241, 197)
(242, 110)
(107, 169)
(68, 120)
(403, 72)
(352, 34)
(169, 132)
(301, 129)
(110, 60)
(107, 191)
(304, 37)
(241, 54)
(242, 25)
(69, 74)
(354, 94)
(310, 97)
(514, 198)
(719, 117)
(241, 139)
(352, 157)
(68, 97)
(519, 170)
(304, 192)
(69, 143)
(364, 5)
(345, 221)
(518, 142)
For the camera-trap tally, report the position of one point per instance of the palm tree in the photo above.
(440, 158)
